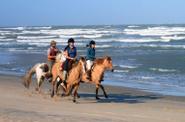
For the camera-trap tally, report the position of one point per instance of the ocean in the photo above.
(146, 57)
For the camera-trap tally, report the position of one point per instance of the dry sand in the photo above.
(18, 104)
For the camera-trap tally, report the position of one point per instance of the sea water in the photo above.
(148, 57)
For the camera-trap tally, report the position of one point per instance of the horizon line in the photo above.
(90, 25)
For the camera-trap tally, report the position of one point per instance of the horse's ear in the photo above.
(82, 58)
(108, 58)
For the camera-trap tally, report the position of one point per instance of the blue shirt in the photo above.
(71, 52)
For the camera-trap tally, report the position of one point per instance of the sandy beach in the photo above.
(18, 104)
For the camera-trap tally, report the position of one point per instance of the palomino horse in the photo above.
(100, 65)
(57, 70)
(41, 70)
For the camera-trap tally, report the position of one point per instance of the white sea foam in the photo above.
(120, 71)
(164, 46)
(46, 27)
(156, 31)
(2, 37)
(162, 70)
(128, 66)
(77, 31)
(133, 26)
(175, 37)
(82, 36)
(35, 37)
(5, 32)
(141, 40)
(103, 46)
(93, 36)
(147, 78)
(16, 28)
(5, 40)
(31, 32)
(40, 40)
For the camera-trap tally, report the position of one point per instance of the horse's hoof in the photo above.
(74, 101)
(52, 95)
(97, 98)
(78, 96)
(36, 89)
(63, 95)
(106, 96)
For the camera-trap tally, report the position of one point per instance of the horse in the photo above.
(100, 66)
(74, 77)
(56, 72)
(41, 70)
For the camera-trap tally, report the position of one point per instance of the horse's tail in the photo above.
(28, 76)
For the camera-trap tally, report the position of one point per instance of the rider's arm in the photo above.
(67, 56)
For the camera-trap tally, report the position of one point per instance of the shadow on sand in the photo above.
(121, 98)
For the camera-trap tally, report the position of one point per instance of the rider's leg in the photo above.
(65, 71)
(49, 75)
(89, 66)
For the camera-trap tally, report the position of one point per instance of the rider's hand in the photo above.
(74, 59)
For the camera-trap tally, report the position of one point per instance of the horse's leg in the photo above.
(38, 77)
(78, 96)
(53, 86)
(68, 90)
(97, 87)
(64, 84)
(40, 83)
(75, 92)
(58, 84)
(103, 89)
(71, 90)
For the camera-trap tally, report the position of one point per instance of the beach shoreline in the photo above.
(19, 104)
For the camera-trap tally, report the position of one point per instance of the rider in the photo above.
(90, 57)
(71, 55)
(52, 52)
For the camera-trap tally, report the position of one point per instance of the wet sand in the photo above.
(18, 104)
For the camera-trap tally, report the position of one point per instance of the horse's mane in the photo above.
(73, 66)
(101, 60)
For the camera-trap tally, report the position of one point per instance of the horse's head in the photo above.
(108, 63)
(61, 57)
(82, 61)
(44, 67)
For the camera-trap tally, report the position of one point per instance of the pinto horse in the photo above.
(41, 70)
(100, 66)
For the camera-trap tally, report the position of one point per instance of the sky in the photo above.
(90, 12)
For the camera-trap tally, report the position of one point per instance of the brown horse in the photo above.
(75, 75)
(100, 66)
